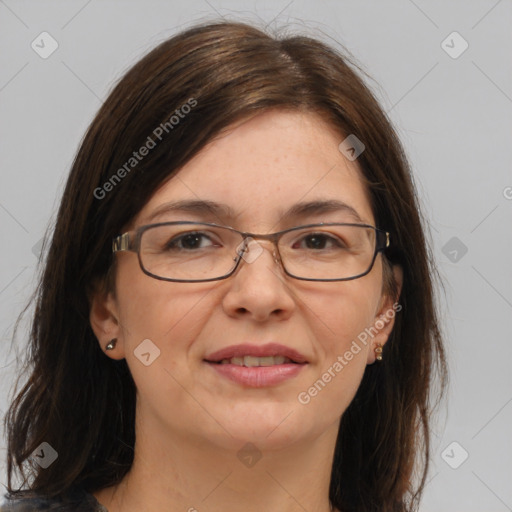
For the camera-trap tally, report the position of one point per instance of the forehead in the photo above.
(262, 167)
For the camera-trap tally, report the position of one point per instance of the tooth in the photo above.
(251, 361)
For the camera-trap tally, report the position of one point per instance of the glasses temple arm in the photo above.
(121, 243)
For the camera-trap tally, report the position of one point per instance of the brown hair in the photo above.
(231, 71)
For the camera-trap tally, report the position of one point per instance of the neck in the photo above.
(177, 472)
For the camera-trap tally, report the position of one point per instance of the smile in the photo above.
(252, 361)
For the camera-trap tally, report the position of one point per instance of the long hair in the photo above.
(83, 403)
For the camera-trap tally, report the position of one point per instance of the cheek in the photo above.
(169, 314)
(342, 313)
(337, 319)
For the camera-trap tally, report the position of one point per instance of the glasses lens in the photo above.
(328, 252)
(197, 252)
(192, 252)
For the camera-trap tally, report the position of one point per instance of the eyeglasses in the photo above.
(187, 251)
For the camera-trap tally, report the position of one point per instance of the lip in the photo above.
(247, 349)
(258, 376)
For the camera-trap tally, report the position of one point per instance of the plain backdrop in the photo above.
(443, 72)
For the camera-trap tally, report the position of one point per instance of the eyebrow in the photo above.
(318, 207)
(194, 206)
(298, 211)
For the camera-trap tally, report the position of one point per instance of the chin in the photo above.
(269, 427)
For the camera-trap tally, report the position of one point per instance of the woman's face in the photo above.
(260, 169)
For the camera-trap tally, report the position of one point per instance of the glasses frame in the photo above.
(130, 241)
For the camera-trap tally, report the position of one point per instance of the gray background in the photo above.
(454, 118)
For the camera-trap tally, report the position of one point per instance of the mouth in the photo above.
(257, 372)
(257, 366)
(253, 361)
(270, 354)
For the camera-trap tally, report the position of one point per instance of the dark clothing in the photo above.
(77, 500)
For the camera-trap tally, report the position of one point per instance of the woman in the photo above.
(237, 307)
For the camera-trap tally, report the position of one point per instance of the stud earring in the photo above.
(111, 344)
(378, 352)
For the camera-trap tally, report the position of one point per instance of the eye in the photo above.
(318, 241)
(189, 241)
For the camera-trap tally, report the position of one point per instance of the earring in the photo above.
(378, 352)
(111, 344)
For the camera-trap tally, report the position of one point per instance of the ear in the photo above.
(385, 316)
(104, 318)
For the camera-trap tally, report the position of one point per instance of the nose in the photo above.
(259, 287)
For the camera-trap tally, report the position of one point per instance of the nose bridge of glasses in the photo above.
(253, 245)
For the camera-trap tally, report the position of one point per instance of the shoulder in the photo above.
(77, 500)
